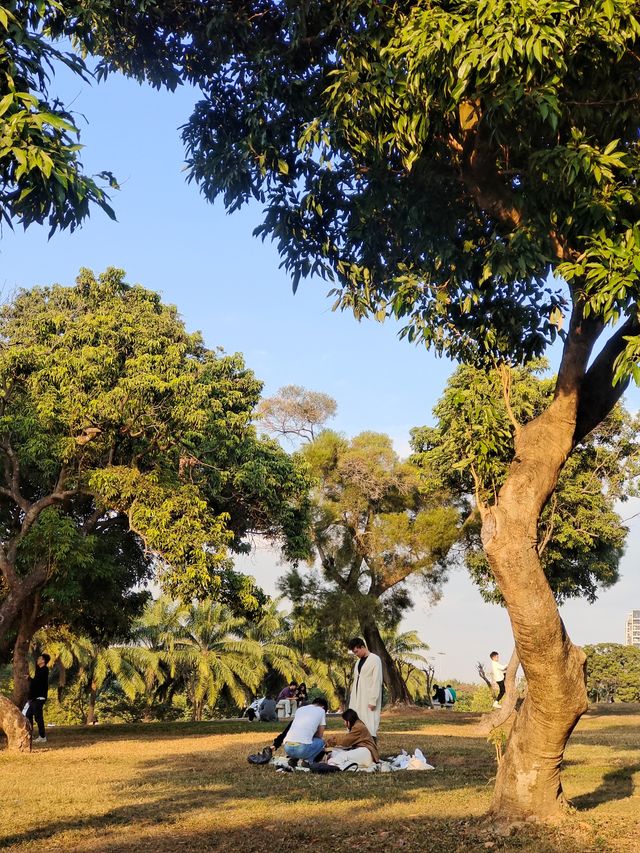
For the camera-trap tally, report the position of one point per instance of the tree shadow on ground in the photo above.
(617, 784)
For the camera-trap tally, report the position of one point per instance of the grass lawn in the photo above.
(182, 786)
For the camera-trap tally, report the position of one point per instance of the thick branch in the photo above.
(598, 394)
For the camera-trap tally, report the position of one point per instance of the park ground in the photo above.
(182, 786)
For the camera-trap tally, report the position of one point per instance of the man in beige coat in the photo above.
(366, 688)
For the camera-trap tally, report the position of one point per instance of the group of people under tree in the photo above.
(304, 737)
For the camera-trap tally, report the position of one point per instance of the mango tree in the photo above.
(124, 439)
(470, 168)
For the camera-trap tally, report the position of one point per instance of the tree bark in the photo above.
(26, 630)
(528, 781)
(91, 708)
(398, 693)
(15, 726)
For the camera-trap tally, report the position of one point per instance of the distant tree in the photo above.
(295, 411)
(404, 648)
(208, 654)
(374, 529)
(580, 533)
(613, 672)
(119, 430)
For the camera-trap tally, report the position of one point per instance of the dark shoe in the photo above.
(293, 762)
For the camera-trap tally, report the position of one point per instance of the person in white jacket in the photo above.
(366, 688)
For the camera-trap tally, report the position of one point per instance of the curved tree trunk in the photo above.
(398, 693)
(528, 781)
(15, 726)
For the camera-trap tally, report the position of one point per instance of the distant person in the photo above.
(287, 699)
(355, 746)
(301, 695)
(499, 670)
(303, 741)
(439, 695)
(450, 695)
(366, 689)
(38, 692)
(267, 710)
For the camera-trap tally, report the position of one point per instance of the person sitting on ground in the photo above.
(267, 710)
(449, 695)
(356, 745)
(301, 695)
(303, 741)
(287, 699)
(439, 695)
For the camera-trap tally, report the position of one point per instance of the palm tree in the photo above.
(208, 654)
(95, 665)
(404, 648)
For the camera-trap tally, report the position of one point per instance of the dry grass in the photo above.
(188, 787)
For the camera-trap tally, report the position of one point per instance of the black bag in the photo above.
(323, 767)
(263, 757)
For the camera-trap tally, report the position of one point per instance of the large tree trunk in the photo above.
(398, 693)
(15, 726)
(528, 781)
(26, 630)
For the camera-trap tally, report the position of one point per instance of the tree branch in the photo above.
(598, 393)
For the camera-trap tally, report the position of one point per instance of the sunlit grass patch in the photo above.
(166, 787)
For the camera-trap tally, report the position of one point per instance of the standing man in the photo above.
(38, 691)
(366, 688)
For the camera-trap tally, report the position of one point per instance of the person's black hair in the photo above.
(295, 683)
(302, 684)
(494, 653)
(320, 700)
(46, 658)
(356, 643)
(448, 685)
(351, 717)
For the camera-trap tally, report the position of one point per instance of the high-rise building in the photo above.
(632, 629)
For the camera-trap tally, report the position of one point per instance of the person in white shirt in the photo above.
(366, 688)
(304, 739)
(499, 670)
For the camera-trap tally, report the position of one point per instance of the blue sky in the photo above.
(227, 284)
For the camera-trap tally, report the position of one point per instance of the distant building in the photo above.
(632, 629)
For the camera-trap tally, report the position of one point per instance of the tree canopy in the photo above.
(613, 672)
(115, 422)
(435, 159)
(374, 530)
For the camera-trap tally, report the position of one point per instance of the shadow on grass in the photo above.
(616, 785)
(199, 780)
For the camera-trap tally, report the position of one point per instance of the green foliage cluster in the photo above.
(128, 451)
(41, 176)
(195, 660)
(435, 159)
(613, 672)
(580, 533)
